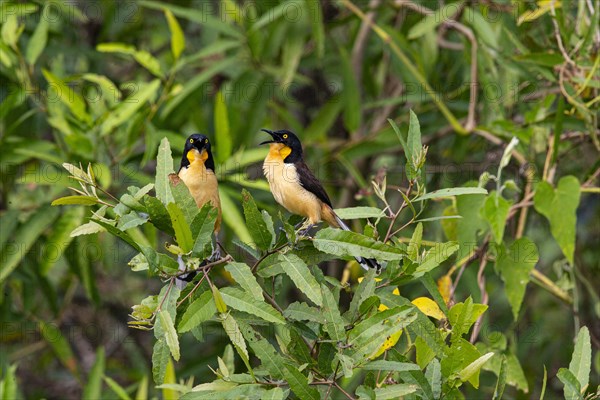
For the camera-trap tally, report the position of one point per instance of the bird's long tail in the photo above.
(366, 263)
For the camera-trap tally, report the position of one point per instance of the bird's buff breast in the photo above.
(287, 191)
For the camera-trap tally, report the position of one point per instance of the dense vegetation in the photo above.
(459, 140)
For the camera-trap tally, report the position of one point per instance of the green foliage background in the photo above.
(102, 83)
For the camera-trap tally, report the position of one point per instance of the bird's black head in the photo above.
(288, 143)
(197, 145)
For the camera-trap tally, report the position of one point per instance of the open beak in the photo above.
(276, 139)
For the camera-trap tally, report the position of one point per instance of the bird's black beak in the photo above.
(276, 138)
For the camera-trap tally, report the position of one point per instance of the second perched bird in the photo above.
(197, 171)
(296, 188)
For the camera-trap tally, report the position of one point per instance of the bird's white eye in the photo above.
(285, 136)
(191, 140)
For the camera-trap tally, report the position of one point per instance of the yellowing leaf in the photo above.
(445, 288)
(388, 344)
(543, 7)
(429, 307)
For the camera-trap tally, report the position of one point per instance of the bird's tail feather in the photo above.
(366, 263)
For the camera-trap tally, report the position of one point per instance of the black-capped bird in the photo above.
(197, 171)
(296, 188)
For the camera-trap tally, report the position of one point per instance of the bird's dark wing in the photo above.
(311, 183)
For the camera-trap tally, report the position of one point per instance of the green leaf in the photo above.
(483, 29)
(93, 387)
(344, 243)
(202, 309)
(164, 318)
(369, 335)
(164, 166)
(501, 383)
(433, 373)
(203, 227)
(318, 30)
(116, 388)
(299, 311)
(60, 238)
(183, 234)
(430, 22)
(160, 359)
(572, 387)
(23, 239)
(495, 211)
(325, 118)
(144, 58)
(76, 200)
(159, 216)
(232, 329)
(515, 264)
(128, 107)
(384, 365)
(299, 383)
(458, 191)
(124, 236)
(352, 102)
(10, 30)
(67, 96)
(177, 36)
(299, 273)
(242, 274)
(224, 141)
(8, 385)
(255, 222)
(434, 257)
(195, 83)
(168, 297)
(240, 300)
(459, 356)
(359, 212)
(60, 345)
(38, 40)
(394, 391)
(232, 216)
(183, 198)
(581, 361)
(365, 289)
(467, 373)
(559, 206)
(334, 324)
(463, 315)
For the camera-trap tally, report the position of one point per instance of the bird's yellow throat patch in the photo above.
(279, 150)
(194, 154)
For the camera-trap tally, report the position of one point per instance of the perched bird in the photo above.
(197, 171)
(296, 188)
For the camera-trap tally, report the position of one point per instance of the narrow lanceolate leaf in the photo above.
(202, 309)
(235, 335)
(559, 206)
(365, 289)
(514, 265)
(459, 191)
(38, 40)
(581, 361)
(271, 360)
(466, 373)
(164, 318)
(75, 200)
(67, 96)
(60, 345)
(334, 324)
(183, 234)
(344, 243)
(93, 387)
(116, 388)
(224, 142)
(255, 222)
(177, 37)
(183, 198)
(60, 238)
(359, 212)
(303, 312)
(25, 236)
(414, 146)
(203, 228)
(242, 274)
(384, 365)
(299, 383)
(243, 301)
(164, 166)
(168, 297)
(299, 273)
(572, 388)
(369, 335)
(430, 22)
(435, 256)
(395, 391)
(160, 359)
